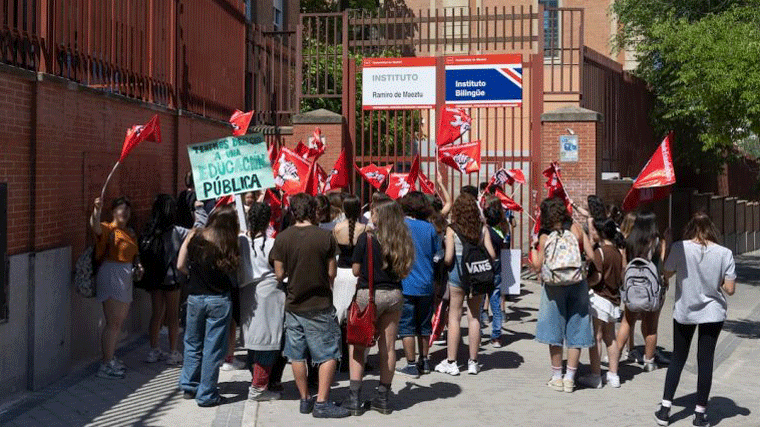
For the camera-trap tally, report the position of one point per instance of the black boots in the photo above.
(354, 403)
(380, 402)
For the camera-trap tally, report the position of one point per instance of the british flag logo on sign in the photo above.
(484, 80)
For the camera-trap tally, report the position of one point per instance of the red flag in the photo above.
(338, 177)
(290, 171)
(224, 201)
(507, 202)
(275, 205)
(240, 122)
(507, 177)
(398, 185)
(454, 123)
(375, 175)
(302, 150)
(439, 320)
(311, 184)
(555, 185)
(273, 153)
(654, 181)
(150, 131)
(414, 171)
(316, 144)
(463, 157)
(426, 185)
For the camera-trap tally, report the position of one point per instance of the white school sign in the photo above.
(398, 83)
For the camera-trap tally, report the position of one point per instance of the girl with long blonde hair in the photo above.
(392, 256)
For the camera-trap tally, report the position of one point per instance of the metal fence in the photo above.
(628, 137)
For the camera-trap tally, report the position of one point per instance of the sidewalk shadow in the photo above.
(500, 360)
(413, 393)
(719, 408)
(748, 269)
(743, 328)
(237, 388)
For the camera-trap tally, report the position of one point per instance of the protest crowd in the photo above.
(304, 273)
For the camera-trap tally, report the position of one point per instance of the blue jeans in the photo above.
(495, 300)
(208, 319)
(564, 318)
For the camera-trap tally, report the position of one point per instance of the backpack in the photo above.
(152, 255)
(563, 265)
(641, 290)
(84, 273)
(476, 270)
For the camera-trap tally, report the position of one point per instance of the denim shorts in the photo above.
(416, 316)
(563, 316)
(315, 332)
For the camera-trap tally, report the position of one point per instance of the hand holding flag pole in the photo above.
(150, 131)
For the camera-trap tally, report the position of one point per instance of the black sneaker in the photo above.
(188, 396)
(307, 405)
(700, 420)
(662, 416)
(423, 365)
(329, 410)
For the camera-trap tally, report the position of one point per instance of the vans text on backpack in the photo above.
(476, 270)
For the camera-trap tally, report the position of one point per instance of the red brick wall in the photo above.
(580, 178)
(79, 134)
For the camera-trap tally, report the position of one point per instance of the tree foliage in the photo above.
(702, 60)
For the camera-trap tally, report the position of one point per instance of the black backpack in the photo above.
(152, 259)
(476, 270)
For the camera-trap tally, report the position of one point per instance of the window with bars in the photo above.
(551, 28)
(277, 14)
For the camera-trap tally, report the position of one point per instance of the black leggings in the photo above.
(707, 339)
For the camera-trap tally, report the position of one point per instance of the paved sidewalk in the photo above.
(510, 389)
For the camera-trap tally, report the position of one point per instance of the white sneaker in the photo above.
(650, 365)
(235, 365)
(154, 355)
(591, 381)
(613, 380)
(472, 367)
(175, 358)
(448, 368)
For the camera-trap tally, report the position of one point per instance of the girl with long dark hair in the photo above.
(262, 302)
(466, 223)
(159, 247)
(210, 257)
(393, 256)
(644, 242)
(705, 273)
(346, 233)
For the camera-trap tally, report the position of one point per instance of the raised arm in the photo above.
(445, 195)
(95, 217)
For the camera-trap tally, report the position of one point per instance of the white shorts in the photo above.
(603, 309)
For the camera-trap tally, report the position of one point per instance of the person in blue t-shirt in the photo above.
(416, 315)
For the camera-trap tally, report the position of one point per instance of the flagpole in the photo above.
(110, 175)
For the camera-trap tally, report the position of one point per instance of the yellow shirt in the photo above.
(116, 244)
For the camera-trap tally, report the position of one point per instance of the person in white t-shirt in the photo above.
(705, 274)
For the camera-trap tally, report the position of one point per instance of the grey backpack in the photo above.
(641, 290)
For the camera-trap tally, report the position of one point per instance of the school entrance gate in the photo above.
(334, 45)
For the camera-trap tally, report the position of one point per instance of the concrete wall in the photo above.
(14, 333)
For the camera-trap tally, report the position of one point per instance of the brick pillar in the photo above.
(581, 177)
(332, 127)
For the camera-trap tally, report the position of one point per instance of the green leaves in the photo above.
(702, 61)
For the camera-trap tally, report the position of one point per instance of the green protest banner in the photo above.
(231, 165)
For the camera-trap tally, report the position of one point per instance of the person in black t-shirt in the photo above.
(210, 257)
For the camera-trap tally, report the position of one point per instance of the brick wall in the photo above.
(79, 134)
(580, 178)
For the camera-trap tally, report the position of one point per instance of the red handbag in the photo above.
(360, 329)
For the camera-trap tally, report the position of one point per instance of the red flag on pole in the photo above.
(507, 202)
(454, 123)
(507, 177)
(273, 153)
(339, 175)
(555, 185)
(150, 131)
(375, 175)
(275, 205)
(302, 150)
(398, 185)
(224, 201)
(316, 144)
(240, 122)
(311, 184)
(655, 180)
(426, 185)
(463, 157)
(290, 171)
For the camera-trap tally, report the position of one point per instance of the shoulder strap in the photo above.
(370, 268)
